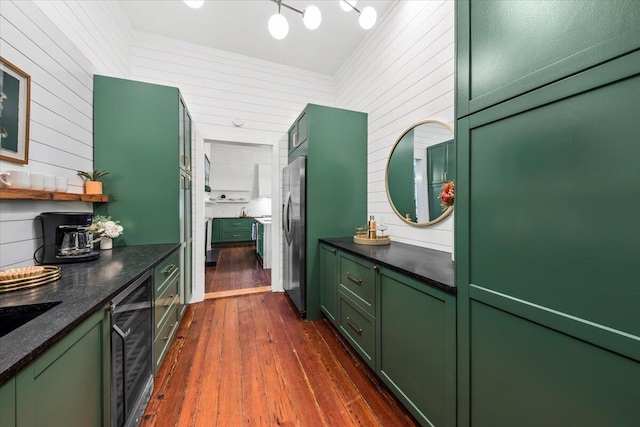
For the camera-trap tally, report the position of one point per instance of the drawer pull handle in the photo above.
(354, 326)
(170, 329)
(169, 298)
(376, 268)
(333, 250)
(236, 223)
(167, 271)
(356, 281)
(236, 235)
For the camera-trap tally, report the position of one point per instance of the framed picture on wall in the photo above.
(15, 95)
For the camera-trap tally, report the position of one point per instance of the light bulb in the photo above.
(278, 26)
(368, 17)
(194, 3)
(311, 17)
(345, 6)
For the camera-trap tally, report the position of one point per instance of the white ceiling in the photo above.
(240, 26)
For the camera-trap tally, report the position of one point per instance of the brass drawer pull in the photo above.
(236, 235)
(237, 223)
(356, 281)
(169, 298)
(170, 329)
(354, 326)
(167, 271)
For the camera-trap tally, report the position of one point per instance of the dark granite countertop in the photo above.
(82, 289)
(428, 265)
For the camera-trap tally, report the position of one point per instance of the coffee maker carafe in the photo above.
(66, 237)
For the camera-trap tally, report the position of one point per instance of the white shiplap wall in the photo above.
(401, 73)
(61, 132)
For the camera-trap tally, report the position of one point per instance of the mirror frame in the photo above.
(445, 213)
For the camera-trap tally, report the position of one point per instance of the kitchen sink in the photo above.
(11, 318)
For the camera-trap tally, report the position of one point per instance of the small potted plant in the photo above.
(92, 185)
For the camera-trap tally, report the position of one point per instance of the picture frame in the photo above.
(15, 102)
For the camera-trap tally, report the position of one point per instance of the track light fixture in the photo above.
(279, 26)
(368, 15)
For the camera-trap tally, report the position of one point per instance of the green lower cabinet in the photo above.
(168, 310)
(329, 283)
(8, 403)
(417, 356)
(68, 386)
(527, 375)
(230, 230)
(403, 329)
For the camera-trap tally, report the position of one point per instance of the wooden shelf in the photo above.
(14, 194)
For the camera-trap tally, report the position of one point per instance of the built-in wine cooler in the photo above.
(131, 352)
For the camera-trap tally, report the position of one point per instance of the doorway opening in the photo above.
(238, 210)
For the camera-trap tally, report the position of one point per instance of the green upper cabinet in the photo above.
(139, 134)
(298, 134)
(507, 48)
(400, 177)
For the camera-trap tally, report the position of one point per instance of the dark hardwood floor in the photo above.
(238, 268)
(251, 361)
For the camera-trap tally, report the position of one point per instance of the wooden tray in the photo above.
(51, 273)
(381, 240)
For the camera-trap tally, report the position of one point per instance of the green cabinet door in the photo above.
(136, 139)
(68, 386)
(260, 239)
(417, 347)
(216, 230)
(508, 48)
(8, 403)
(329, 282)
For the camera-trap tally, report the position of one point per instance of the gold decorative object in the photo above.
(28, 277)
(378, 241)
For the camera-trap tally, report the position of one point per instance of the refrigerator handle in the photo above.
(286, 218)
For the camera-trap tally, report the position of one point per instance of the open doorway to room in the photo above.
(238, 210)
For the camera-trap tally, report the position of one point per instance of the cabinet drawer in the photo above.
(236, 236)
(358, 328)
(236, 224)
(358, 281)
(165, 270)
(169, 297)
(165, 335)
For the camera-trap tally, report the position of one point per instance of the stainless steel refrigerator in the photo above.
(294, 226)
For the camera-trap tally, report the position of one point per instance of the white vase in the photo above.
(106, 243)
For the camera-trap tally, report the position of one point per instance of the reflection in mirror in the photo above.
(422, 159)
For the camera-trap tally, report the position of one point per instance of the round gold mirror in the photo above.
(421, 162)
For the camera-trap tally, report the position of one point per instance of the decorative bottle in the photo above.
(372, 227)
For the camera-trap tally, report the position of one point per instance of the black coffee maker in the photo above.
(66, 237)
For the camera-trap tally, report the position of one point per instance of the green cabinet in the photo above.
(298, 134)
(259, 239)
(167, 306)
(231, 230)
(403, 329)
(329, 282)
(336, 183)
(143, 137)
(417, 356)
(547, 289)
(506, 49)
(8, 403)
(68, 385)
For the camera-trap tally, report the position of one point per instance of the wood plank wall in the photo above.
(37, 37)
(401, 73)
